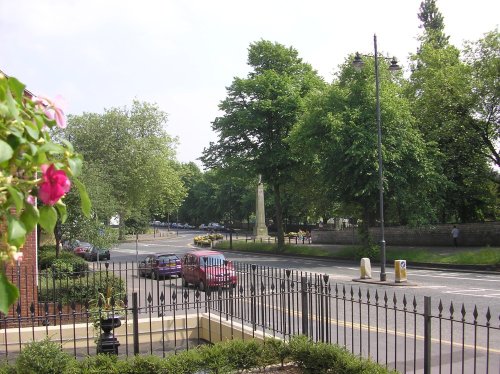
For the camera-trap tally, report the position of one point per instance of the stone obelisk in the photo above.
(260, 228)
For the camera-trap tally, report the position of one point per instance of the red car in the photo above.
(82, 248)
(207, 269)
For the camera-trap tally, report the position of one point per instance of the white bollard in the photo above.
(366, 268)
(400, 271)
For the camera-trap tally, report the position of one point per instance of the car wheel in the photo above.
(154, 275)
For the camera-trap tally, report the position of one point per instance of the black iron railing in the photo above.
(400, 332)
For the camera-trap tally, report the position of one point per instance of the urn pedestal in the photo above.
(107, 342)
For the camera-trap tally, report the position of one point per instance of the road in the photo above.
(471, 289)
(466, 291)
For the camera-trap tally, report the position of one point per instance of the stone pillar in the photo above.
(260, 228)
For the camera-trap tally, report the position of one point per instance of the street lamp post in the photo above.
(358, 64)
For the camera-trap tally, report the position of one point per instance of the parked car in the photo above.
(70, 245)
(82, 248)
(214, 226)
(160, 265)
(97, 254)
(207, 268)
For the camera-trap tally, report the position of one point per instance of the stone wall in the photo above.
(471, 234)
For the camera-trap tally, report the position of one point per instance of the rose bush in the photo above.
(27, 151)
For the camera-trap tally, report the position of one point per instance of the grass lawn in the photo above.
(479, 256)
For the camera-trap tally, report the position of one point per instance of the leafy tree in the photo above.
(433, 23)
(129, 150)
(440, 90)
(338, 135)
(259, 112)
(483, 58)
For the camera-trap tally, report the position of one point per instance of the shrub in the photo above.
(5, 368)
(47, 258)
(102, 363)
(215, 359)
(78, 289)
(243, 355)
(186, 362)
(145, 365)
(314, 357)
(275, 351)
(44, 357)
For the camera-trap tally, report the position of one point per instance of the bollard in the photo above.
(400, 271)
(365, 268)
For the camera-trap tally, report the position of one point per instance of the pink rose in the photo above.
(55, 184)
(52, 109)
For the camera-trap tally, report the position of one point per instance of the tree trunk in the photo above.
(121, 228)
(57, 236)
(279, 217)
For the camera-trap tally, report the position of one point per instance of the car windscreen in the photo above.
(213, 260)
(167, 259)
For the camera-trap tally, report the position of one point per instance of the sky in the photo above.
(182, 54)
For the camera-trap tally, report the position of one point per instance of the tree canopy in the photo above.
(130, 160)
(259, 113)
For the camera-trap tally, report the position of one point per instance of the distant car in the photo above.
(160, 265)
(82, 248)
(214, 226)
(70, 245)
(203, 226)
(97, 254)
(207, 269)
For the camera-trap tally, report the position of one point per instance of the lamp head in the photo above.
(358, 62)
(394, 65)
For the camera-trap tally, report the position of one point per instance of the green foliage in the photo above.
(5, 368)
(44, 357)
(47, 257)
(433, 23)
(259, 113)
(275, 350)
(372, 251)
(29, 160)
(483, 58)
(81, 289)
(185, 362)
(215, 359)
(101, 363)
(123, 149)
(145, 365)
(243, 355)
(314, 358)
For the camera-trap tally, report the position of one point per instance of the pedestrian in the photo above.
(455, 232)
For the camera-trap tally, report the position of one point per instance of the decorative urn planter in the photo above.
(107, 342)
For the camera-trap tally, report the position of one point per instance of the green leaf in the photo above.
(17, 197)
(16, 232)
(75, 164)
(84, 197)
(48, 218)
(32, 129)
(30, 217)
(61, 209)
(17, 89)
(8, 293)
(12, 105)
(52, 148)
(6, 151)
